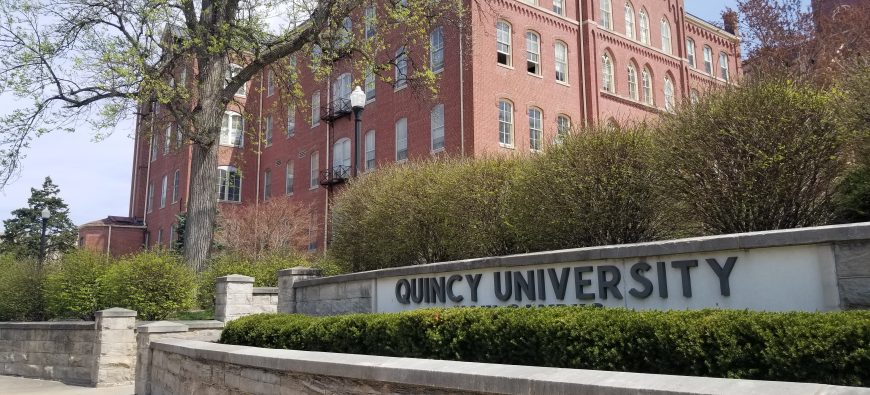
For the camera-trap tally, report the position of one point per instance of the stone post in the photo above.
(115, 347)
(286, 292)
(144, 335)
(234, 297)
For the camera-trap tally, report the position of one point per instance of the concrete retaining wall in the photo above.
(209, 331)
(186, 367)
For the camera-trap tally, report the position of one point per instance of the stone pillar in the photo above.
(114, 348)
(234, 297)
(144, 335)
(286, 292)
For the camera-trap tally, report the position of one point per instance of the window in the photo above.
(179, 137)
(268, 131)
(176, 185)
(164, 190)
(401, 139)
(669, 95)
(344, 35)
(270, 83)
(607, 74)
(632, 82)
(291, 120)
(643, 21)
(370, 85)
(694, 96)
(231, 129)
(563, 126)
(232, 71)
(666, 37)
(436, 49)
(182, 78)
(647, 87)
(149, 198)
(505, 123)
(315, 109)
(708, 60)
(153, 148)
(533, 53)
(288, 179)
(723, 66)
(171, 235)
(314, 170)
(561, 62)
(606, 15)
(437, 127)
(370, 150)
(167, 139)
(159, 238)
(629, 20)
(341, 89)
(559, 6)
(536, 132)
(401, 68)
(229, 184)
(690, 52)
(370, 19)
(267, 184)
(503, 42)
(341, 156)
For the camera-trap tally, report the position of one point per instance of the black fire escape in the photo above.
(332, 111)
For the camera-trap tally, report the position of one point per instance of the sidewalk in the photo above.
(21, 386)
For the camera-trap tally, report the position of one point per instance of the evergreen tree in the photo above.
(22, 231)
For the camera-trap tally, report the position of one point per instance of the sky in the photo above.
(94, 177)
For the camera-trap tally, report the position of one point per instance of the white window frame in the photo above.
(670, 95)
(267, 184)
(633, 86)
(341, 154)
(289, 178)
(607, 73)
(667, 44)
(647, 86)
(232, 71)
(230, 136)
(370, 19)
(436, 50)
(536, 128)
(402, 140)
(629, 20)
(164, 190)
(690, 53)
(563, 126)
(270, 83)
(559, 7)
(643, 26)
(176, 185)
(724, 73)
(533, 53)
(314, 170)
(291, 120)
(561, 61)
(503, 41)
(436, 128)
(606, 14)
(341, 89)
(315, 109)
(506, 123)
(153, 147)
(401, 69)
(708, 60)
(167, 139)
(224, 178)
(268, 132)
(370, 151)
(369, 85)
(694, 96)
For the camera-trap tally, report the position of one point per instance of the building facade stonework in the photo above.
(523, 72)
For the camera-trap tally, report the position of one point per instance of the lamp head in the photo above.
(45, 213)
(358, 98)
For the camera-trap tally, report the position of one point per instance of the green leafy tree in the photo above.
(96, 61)
(23, 231)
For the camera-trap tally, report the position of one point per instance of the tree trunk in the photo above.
(201, 206)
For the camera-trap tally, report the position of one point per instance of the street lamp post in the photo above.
(357, 102)
(45, 214)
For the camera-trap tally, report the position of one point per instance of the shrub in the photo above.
(20, 285)
(278, 224)
(422, 212)
(760, 156)
(831, 348)
(155, 284)
(264, 271)
(598, 187)
(72, 286)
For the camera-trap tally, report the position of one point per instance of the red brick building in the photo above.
(525, 72)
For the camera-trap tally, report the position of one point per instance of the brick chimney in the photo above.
(730, 21)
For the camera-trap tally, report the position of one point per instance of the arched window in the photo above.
(402, 140)
(229, 184)
(370, 150)
(723, 66)
(708, 60)
(690, 52)
(232, 71)
(666, 37)
(633, 91)
(370, 20)
(606, 15)
(694, 96)
(670, 102)
(643, 22)
(401, 68)
(436, 127)
(607, 82)
(289, 178)
(563, 126)
(611, 125)
(232, 128)
(536, 128)
(629, 20)
(267, 184)
(341, 156)
(505, 123)
(503, 42)
(533, 53)
(561, 62)
(646, 80)
(436, 49)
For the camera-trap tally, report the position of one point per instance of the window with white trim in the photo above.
(629, 20)
(344, 35)
(533, 53)
(341, 159)
(646, 80)
(633, 91)
(607, 82)
(370, 19)
(176, 186)
(153, 147)
(708, 60)
(179, 137)
(694, 96)
(341, 89)
(643, 22)
(670, 100)
(232, 128)
(401, 68)
(667, 46)
(270, 83)
(370, 85)
(536, 128)
(268, 131)
(291, 120)
(370, 150)
(229, 184)
(402, 139)
(289, 178)
(315, 109)
(506, 123)
(436, 49)
(559, 7)
(313, 170)
(267, 184)
(436, 127)
(159, 244)
(182, 78)
(723, 66)
(503, 42)
(563, 127)
(167, 139)
(149, 198)
(561, 61)
(232, 71)
(164, 190)
(606, 15)
(690, 52)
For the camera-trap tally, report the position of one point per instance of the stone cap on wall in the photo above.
(162, 327)
(299, 271)
(737, 241)
(265, 290)
(235, 278)
(54, 325)
(480, 377)
(115, 312)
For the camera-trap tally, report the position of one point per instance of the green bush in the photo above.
(761, 156)
(598, 187)
(20, 285)
(155, 284)
(72, 286)
(264, 270)
(832, 348)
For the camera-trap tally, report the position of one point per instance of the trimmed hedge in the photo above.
(832, 348)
